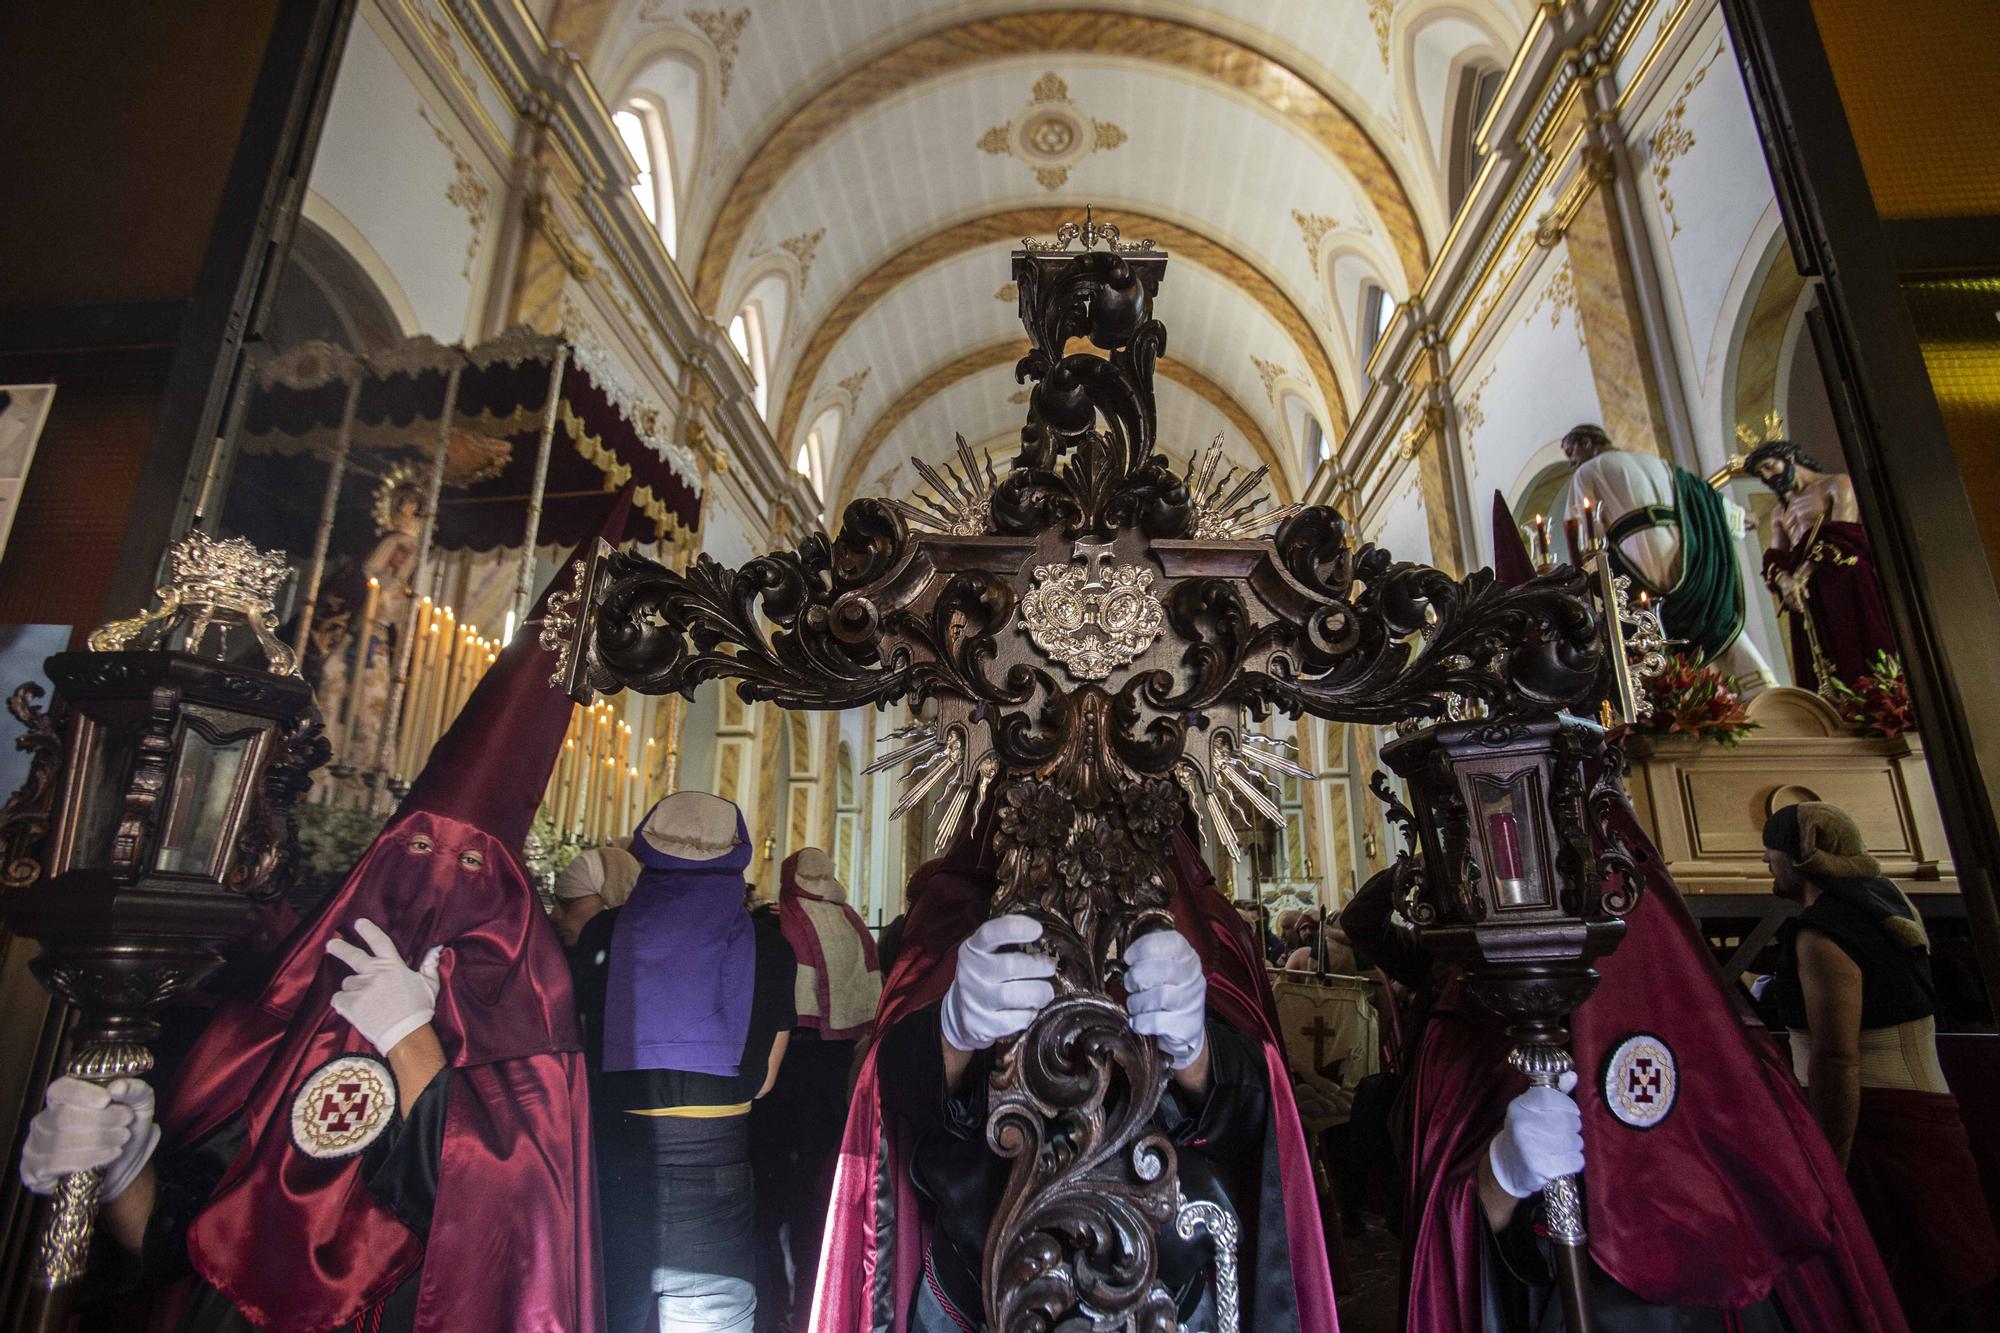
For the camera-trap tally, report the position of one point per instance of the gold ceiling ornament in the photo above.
(723, 30)
(1268, 374)
(1010, 293)
(802, 248)
(1314, 227)
(1051, 135)
(1382, 13)
(214, 585)
(851, 386)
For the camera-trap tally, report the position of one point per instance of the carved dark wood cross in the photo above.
(1089, 638)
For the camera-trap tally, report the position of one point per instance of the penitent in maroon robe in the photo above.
(875, 1238)
(298, 1240)
(1842, 597)
(1707, 1183)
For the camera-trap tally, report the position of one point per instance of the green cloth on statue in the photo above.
(1704, 609)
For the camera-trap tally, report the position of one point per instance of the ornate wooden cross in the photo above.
(1090, 637)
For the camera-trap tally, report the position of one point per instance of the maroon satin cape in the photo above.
(1734, 1196)
(299, 1243)
(874, 1247)
(800, 932)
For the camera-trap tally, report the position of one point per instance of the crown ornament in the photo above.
(1773, 429)
(1091, 233)
(216, 587)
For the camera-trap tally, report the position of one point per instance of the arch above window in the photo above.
(642, 127)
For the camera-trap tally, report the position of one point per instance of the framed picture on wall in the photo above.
(23, 410)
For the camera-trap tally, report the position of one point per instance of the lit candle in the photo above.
(363, 651)
(1589, 524)
(1542, 540)
(1504, 842)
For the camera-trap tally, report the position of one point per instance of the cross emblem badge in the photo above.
(343, 1107)
(1641, 1080)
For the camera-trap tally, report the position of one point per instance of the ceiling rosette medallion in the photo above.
(1051, 135)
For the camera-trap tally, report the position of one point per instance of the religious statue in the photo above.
(1673, 535)
(1821, 568)
(361, 617)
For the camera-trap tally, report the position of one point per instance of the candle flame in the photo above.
(374, 582)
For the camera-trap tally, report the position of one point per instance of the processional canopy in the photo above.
(1091, 634)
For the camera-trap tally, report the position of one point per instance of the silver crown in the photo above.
(215, 585)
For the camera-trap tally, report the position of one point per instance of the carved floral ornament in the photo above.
(1090, 640)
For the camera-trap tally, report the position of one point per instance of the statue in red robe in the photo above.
(1821, 568)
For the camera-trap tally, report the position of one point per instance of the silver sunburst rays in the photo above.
(1239, 784)
(1226, 509)
(963, 504)
(936, 768)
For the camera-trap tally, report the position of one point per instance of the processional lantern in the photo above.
(1089, 639)
(166, 795)
(1517, 850)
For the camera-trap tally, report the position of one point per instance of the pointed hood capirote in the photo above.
(296, 1240)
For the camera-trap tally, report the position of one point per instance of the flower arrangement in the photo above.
(1877, 704)
(1690, 698)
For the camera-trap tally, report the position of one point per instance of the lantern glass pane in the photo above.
(1507, 822)
(200, 802)
(107, 768)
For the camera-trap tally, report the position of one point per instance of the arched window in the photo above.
(644, 132)
(1471, 99)
(1319, 448)
(1377, 311)
(746, 333)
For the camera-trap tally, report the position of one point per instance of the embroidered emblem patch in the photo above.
(1641, 1080)
(344, 1106)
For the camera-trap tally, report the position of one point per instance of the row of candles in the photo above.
(607, 775)
(1580, 537)
(450, 658)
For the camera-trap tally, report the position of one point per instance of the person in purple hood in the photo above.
(687, 1005)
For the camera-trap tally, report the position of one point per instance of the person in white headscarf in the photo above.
(796, 1131)
(598, 879)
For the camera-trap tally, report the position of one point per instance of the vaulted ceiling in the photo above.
(860, 169)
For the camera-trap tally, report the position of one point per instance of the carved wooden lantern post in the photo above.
(166, 825)
(1510, 814)
(1092, 635)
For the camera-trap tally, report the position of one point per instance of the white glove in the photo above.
(1167, 995)
(998, 989)
(84, 1126)
(1542, 1139)
(384, 999)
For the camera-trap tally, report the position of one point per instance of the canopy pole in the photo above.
(329, 502)
(524, 584)
(407, 646)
